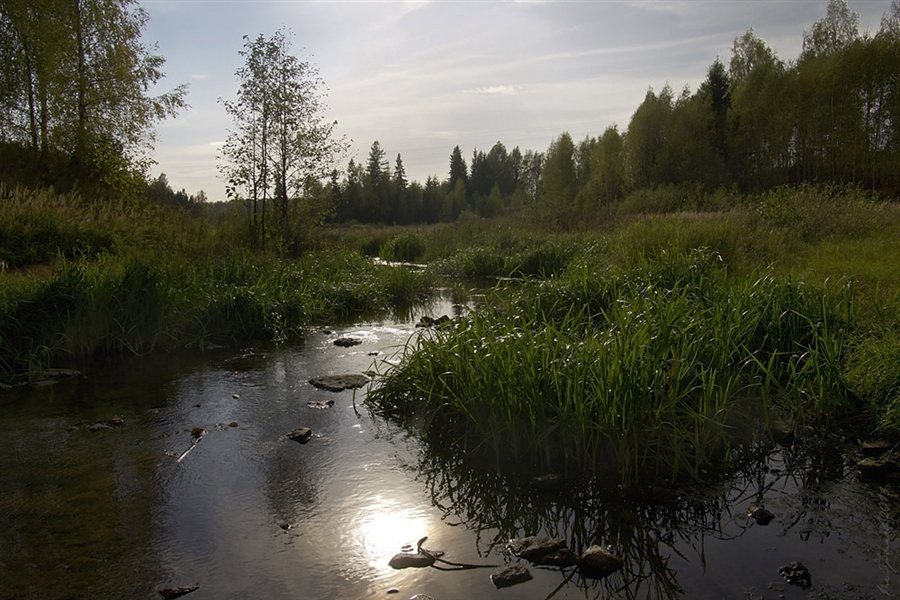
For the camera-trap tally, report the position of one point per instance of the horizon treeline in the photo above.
(759, 122)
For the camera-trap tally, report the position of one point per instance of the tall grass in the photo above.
(650, 372)
(139, 302)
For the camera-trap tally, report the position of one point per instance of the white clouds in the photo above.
(493, 89)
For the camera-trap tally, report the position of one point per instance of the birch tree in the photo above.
(280, 142)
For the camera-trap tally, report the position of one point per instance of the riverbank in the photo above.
(90, 281)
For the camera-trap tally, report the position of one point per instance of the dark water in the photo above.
(248, 513)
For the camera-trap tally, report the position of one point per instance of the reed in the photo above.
(651, 372)
(139, 302)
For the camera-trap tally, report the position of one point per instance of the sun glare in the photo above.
(385, 526)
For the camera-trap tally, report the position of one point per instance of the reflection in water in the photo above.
(381, 523)
(251, 514)
(685, 545)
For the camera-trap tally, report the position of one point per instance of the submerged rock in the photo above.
(561, 558)
(551, 482)
(796, 574)
(405, 560)
(113, 423)
(875, 469)
(320, 403)
(346, 342)
(874, 448)
(427, 321)
(301, 434)
(759, 514)
(510, 576)
(597, 562)
(339, 383)
(535, 548)
(781, 432)
(171, 593)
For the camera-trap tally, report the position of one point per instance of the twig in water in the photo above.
(194, 442)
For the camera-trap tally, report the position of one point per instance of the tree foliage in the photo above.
(75, 82)
(754, 123)
(280, 146)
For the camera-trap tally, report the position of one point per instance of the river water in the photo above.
(248, 513)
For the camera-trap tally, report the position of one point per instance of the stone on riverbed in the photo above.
(346, 342)
(171, 593)
(113, 423)
(320, 403)
(301, 434)
(561, 558)
(873, 448)
(510, 576)
(876, 469)
(535, 548)
(405, 560)
(597, 562)
(796, 574)
(550, 482)
(758, 513)
(781, 432)
(339, 383)
(427, 321)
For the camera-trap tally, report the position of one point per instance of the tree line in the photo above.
(75, 111)
(830, 116)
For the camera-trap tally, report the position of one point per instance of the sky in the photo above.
(424, 76)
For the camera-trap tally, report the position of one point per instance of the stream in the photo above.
(249, 513)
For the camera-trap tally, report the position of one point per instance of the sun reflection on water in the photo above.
(385, 525)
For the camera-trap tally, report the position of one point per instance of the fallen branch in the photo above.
(456, 566)
(194, 442)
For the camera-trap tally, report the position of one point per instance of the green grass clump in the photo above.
(408, 246)
(140, 302)
(651, 372)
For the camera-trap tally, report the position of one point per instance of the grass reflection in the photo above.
(649, 535)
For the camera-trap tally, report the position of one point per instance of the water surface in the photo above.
(247, 513)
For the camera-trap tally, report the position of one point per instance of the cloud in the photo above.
(493, 89)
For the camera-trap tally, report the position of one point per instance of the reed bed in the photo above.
(653, 372)
(141, 302)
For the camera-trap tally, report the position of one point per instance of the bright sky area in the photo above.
(424, 76)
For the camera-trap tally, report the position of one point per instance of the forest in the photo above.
(754, 124)
(830, 116)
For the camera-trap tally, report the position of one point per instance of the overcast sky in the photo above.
(424, 76)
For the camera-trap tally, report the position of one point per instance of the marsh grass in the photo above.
(651, 372)
(139, 302)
